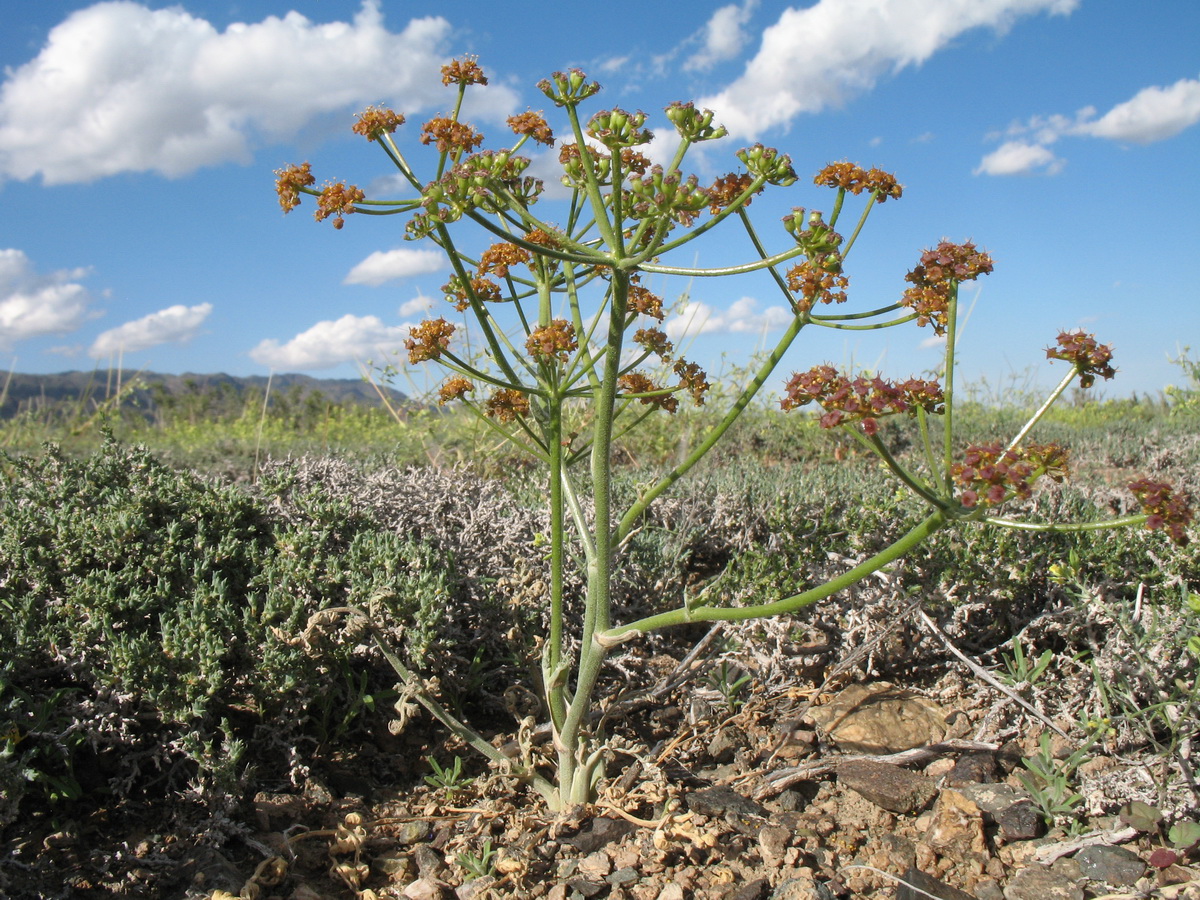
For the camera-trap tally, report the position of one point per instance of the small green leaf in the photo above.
(1141, 816)
(1184, 835)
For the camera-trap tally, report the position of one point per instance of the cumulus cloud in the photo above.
(1152, 114)
(822, 55)
(742, 317)
(419, 305)
(174, 325)
(119, 87)
(383, 266)
(32, 304)
(328, 344)
(1019, 158)
(722, 37)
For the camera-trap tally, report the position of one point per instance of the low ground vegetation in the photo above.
(167, 673)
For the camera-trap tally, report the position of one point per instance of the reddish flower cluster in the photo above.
(990, 474)
(499, 257)
(463, 71)
(1089, 358)
(288, 183)
(428, 340)
(337, 200)
(862, 399)
(693, 379)
(1164, 508)
(450, 135)
(816, 285)
(506, 405)
(726, 189)
(460, 296)
(855, 179)
(637, 383)
(534, 125)
(454, 389)
(374, 121)
(552, 342)
(643, 301)
(941, 267)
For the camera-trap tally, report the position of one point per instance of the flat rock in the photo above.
(957, 826)
(1036, 883)
(1112, 865)
(880, 718)
(890, 787)
(603, 832)
(919, 886)
(720, 801)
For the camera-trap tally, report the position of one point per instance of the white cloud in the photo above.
(383, 266)
(120, 87)
(824, 54)
(173, 325)
(33, 304)
(1153, 114)
(742, 317)
(723, 36)
(419, 305)
(1019, 158)
(328, 344)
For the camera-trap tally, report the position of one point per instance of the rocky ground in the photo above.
(815, 779)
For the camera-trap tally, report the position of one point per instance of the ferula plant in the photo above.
(574, 355)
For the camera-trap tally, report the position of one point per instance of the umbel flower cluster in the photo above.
(990, 474)
(864, 399)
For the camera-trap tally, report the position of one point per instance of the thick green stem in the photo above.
(682, 616)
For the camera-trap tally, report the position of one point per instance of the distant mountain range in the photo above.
(150, 389)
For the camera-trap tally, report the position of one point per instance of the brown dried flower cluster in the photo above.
(506, 405)
(989, 474)
(855, 179)
(728, 188)
(1164, 508)
(861, 399)
(1088, 357)
(337, 200)
(451, 136)
(655, 341)
(374, 121)
(542, 239)
(641, 300)
(555, 341)
(288, 183)
(428, 340)
(816, 285)
(463, 71)
(454, 389)
(637, 383)
(941, 267)
(534, 125)
(497, 258)
(634, 161)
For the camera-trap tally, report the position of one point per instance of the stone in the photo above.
(586, 887)
(1036, 883)
(477, 888)
(916, 885)
(410, 833)
(880, 718)
(1021, 822)
(753, 890)
(429, 861)
(773, 842)
(725, 743)
(425, 889)
(1111, 865)
(890, 787)
(957, 826)
(671, 892)
(973, 768)
(802, 889)
(627, 875)
(595, 865)
(602, 833)
(716, 802)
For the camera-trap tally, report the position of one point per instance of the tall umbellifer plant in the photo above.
(583, 359)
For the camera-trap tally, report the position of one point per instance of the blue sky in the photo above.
(138, 142)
